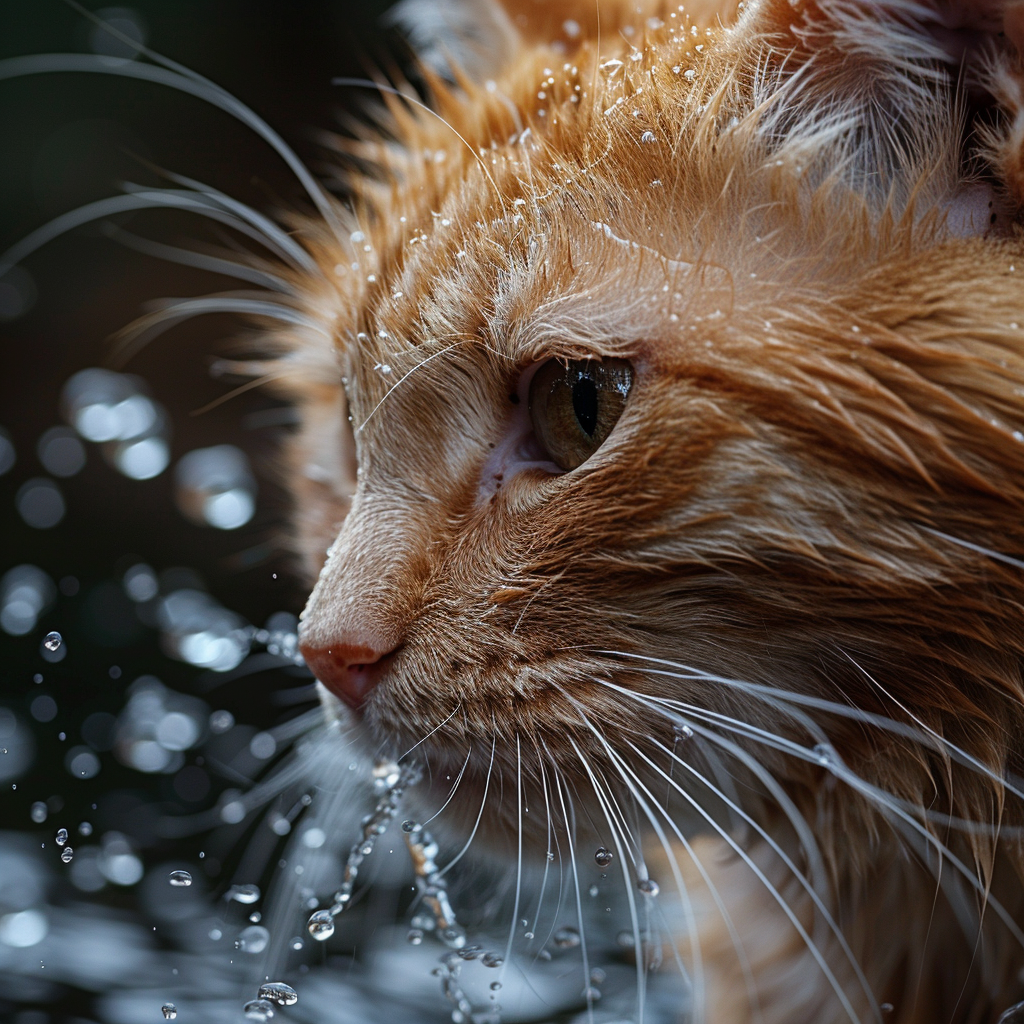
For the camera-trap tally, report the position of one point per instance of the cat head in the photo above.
(665, 387)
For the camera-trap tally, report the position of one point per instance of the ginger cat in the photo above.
(663, 424)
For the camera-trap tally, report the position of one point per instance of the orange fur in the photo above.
(785, 222)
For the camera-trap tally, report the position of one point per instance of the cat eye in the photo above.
(575, 405)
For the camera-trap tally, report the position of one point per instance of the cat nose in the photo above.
(349, 671)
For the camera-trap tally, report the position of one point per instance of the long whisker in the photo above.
(519, 860)
(440, 725)
(199, 260)
(187, 80)
(569, 830)
(405, 376)
(455, 786)
(483, 803)
(641, 975)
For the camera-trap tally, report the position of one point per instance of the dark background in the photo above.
(68, 139)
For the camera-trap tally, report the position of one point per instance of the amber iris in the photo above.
(575, 405)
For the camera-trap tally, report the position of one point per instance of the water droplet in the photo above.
(824, 755)
(625, 940)
(591, 994)
(39, 812)
(278, 992)
(169, 1010)
(85, 829)
(886, 1007)
(62, 836)
(244, 893)
(255, 917)
(52, 641)
(410, 826)
(648, 137)
(296, 943)
(603, 857)
(491, 960)
(253, 939)
(648, 886)
(682, 731)
(593, 890)
(597, 976)
(566, 938)
(258, 1009)
(415, 936)
(66, 854)
(495, 986)
(179, 878)
(320, 925)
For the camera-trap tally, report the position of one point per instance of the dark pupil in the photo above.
(584, 404)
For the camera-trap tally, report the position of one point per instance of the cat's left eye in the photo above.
(575, 405)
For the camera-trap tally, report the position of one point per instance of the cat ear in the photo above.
(888, 61)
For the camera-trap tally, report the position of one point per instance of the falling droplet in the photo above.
(603, 857)
(278, 992)
(258, 1009)
(253, 939)
(593, 890)
(296, 943)
(244, 893)
(648, 886)
(415, 936)
(39, 812)
(566, 938)
(62, 836)
(320, 925)
(179, 878)
(491, 960)
(66, 854)
(169, 1010)
(52, 641)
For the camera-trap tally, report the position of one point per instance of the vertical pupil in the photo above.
(584, 404)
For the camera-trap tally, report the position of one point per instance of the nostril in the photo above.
(349, 671)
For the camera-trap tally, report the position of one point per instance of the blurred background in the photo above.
(150, 538)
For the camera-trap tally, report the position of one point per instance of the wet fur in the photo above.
(804, 523)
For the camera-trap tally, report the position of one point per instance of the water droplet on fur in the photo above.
(52, 641)
(253, 939)
(603, 857)
(683, 732)
(886, 1008)
(179, 878)
(648, 137)
(648, 886)
(258, 1010)
(66, 854)
(824, 755)
(320, 925)
(278, 992)
(566, 938)
(62, 836)
(244, 893)
(169, 1010)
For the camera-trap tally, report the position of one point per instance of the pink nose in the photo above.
(347, 670)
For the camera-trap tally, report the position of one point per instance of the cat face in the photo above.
(672, 394)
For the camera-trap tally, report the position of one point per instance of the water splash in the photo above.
(390, 783)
